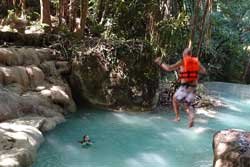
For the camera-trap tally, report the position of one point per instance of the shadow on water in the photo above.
(143, 139)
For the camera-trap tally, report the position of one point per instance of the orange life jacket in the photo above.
(191, 67)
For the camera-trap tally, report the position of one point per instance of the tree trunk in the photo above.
(23, 7)
(14, 2)
(100, 10)
(45, 12)
(72, 14)
(170, 8)
(150, 26)
(246, 76)
(203, 26)
(61, 9)
(84, 13)
(15, 6)
(194, 21)
(153, 17)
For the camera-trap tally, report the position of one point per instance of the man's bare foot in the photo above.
(191, 124)
(177, 119)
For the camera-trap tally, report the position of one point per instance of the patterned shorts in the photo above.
(185, 94)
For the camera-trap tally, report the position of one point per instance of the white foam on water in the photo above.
(147, 159)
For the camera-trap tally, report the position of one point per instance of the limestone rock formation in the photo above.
(115, 75)
(32, 80)
(231, 148)
(20, 138)
(33, 99)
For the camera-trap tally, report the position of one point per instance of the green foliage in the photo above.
(95, 28)
(33, 16)
(173, 35)
(223, 48)
(11, 15)
(130, 19)
(54, 2)
(225, 56)
(223, 51)
(124, 19)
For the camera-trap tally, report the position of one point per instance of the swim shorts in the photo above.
(185, 93)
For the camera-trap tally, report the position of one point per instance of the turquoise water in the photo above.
(144, 139)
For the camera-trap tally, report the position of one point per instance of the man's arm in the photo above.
(168, 67)
(175, 66)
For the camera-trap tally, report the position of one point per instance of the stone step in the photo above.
(25, 55)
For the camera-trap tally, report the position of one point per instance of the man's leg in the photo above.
(190, 113)
(176, 109)
(178, 96)
(188, 107)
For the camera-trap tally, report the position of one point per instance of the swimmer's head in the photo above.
(86, 137)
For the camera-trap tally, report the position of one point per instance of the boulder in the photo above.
(15, 152)
(34, 121)
(63, 67)
(13, 105)
(24, 56)
(15, 74)
(46, 54)
(42, 123)
(24, 76)
(60, 95)
(20, 138)
(49, 68)
(30, 56)
(231, 148)
(33, 99)
(18, 144)
(115, 75)
(36, 75)
(6, 56)
(15, 88)
(50, 123)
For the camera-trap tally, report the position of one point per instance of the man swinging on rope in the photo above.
(189, 67)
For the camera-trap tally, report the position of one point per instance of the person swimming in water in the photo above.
(86, 140)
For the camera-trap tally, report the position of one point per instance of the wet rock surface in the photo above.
(20, 138)
(31, 81)
(118, 75)
(231, 148)
(34, 97)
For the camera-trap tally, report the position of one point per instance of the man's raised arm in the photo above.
(168, 67)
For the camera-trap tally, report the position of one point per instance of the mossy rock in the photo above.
(116, 74)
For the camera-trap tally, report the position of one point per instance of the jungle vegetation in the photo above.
(217, 30)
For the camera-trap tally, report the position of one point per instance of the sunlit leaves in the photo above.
(173, 35)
